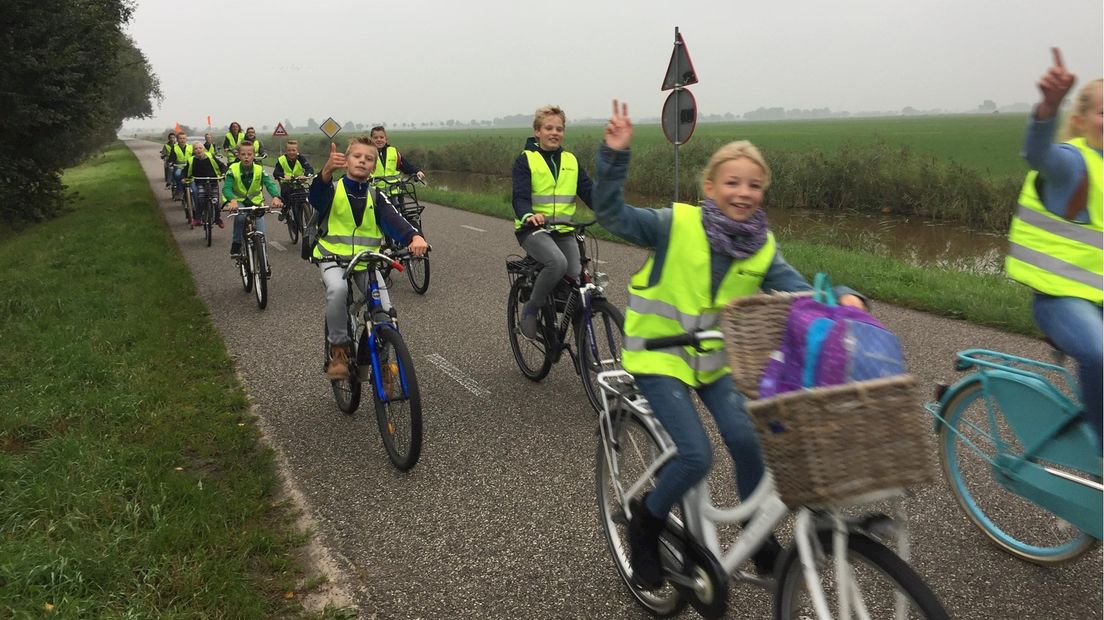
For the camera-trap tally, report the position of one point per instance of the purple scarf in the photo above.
(736, 239)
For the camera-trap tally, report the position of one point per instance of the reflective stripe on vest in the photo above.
(289, 170)
(1054, 255)
(387, 166)
(254, 191)
(681, 302)
(341, 237)
(553, 196)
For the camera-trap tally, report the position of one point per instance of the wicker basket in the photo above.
(830, 445)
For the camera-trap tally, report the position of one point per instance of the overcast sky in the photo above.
(420, 60)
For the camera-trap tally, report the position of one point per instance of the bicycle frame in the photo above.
(760, 513)
(1046, 423)
(368, 311)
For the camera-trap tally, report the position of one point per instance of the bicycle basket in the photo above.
(828, 445)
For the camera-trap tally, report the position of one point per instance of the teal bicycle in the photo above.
(1019, 457)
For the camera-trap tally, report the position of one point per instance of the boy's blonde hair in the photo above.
(291, 143)
(1080, 110)
(736, 150)
(363, 141)
(548, 110)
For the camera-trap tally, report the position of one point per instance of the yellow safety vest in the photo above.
(232, 143)
(341, 237)
(387, 166)
(191, 163)
(681, 302)
(289, 170)
(553, 196)
(1054, 255)
(182, 156)
(251, 195)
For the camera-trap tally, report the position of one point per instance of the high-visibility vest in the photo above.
(182, 156)
(251, 195)
(387, 166)
(191, 164)
(166, 150)
(681, 302)
(553, 196)
(289, 170)
(1054, 255)
(232, 143)
(341, 237)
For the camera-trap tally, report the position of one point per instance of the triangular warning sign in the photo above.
(280, 131)
(680, 71)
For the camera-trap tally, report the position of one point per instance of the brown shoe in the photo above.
(389, 373)
(337, 368)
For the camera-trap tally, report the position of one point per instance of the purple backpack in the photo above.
(828, 344)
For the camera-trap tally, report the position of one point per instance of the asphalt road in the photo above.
(498, 519)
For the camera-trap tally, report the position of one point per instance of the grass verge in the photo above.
(132, 477)
(990, 300)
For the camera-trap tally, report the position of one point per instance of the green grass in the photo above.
(132, 476)
(991, 300)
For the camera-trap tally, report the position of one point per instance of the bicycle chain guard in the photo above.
(681, 554)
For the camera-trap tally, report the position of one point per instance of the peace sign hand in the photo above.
(1054, 85)
(619, 129)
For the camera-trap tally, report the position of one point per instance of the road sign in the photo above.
(680, 116)
(680, 71)
(280, 131)
(330, 127)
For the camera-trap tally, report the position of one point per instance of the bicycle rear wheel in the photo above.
(346, 391)
(258, 264)
(1020, 527)
(532, 356)
(880, 576)
(399, 411)
(599, 346)
(417, 271)
(185, 199)
(636, 448)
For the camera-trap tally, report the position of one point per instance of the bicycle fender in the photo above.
(936, 408)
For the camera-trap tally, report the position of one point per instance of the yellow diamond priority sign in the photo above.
(330, 127)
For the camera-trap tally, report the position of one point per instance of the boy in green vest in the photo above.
(244, 180)
(166, 154)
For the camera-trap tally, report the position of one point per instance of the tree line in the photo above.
(71, 76)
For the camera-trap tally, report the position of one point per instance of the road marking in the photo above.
(472, 228)
(457, 374)
(601, 262)
(277, 246)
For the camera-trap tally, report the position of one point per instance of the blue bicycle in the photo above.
(379, 357)
(1019, 456)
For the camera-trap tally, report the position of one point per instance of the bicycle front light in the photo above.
(601, 280)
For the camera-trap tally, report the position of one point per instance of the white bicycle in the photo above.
(838, 567)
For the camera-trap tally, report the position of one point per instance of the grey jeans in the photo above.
(560, 256)
(337, 315)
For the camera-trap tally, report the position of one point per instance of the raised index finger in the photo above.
(1057, 53)
(615, 108)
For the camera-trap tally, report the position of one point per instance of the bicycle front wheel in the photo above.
(185, 198)
(967, 447)
(291, 218)
(244, 263)
(635, 448)
(598, 341)
(258, 264)
(417, 271)
(398, 401)
(532, 356)
(882, 582)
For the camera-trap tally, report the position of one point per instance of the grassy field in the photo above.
(133, 480)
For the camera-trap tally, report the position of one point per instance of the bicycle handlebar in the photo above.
(547, 226)
(365, 256)
(694, 339)
(397, 179)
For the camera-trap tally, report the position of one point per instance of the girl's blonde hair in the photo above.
(1080, 109)
(736, 150)
(548, 110)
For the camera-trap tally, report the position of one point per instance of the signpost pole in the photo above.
(678, 93)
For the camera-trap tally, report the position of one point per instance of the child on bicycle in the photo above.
(181, 151)
(1055, 237)
(243, 182)
(230, 143)
(703, 258)
(546, 180)
(353, 216)
(388, 160)
(290, 164)
(258, 148)
(202, 164)
(166, 155)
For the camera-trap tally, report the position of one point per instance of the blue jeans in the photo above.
(670, 400)
(1076, 327)
(239, 226)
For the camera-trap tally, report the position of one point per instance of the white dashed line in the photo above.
(457, 374)
(277, 246)
(472, 228)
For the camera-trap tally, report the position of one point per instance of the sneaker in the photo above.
(529, 322)
(219, 222)
(235, 249)
(196, 222)
(644, 530)
(767, 556)
(337, 368)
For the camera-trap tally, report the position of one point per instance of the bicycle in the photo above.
(180, 192)
(252, 261)
(380, 357)
(297, 211)
(845, 555)
(1020, 459)
(208, 187)
(597, 325)
(403, 194)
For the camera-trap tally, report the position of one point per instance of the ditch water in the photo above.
(917, 242)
